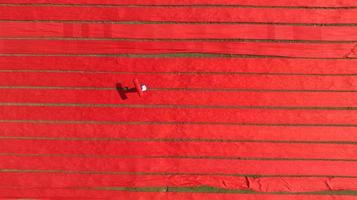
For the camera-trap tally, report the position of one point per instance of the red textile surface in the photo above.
(317, 3)
(179, 14)
(260, 100)
(187, 31)
(289, 50)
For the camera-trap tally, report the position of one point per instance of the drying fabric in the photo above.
(245, 99)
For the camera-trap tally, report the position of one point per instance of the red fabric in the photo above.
(181, 131)
(187, 31)
(214, 99)
(178, 14)
(232, 150)
(222, 65)
(176, 81)
(289, 50)
(138, 87)
(177, 115)
(178, 165)
(318, 3)
(281, 121)
(227, 182)
(100, 194)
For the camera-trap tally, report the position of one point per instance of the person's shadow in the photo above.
(122, 91)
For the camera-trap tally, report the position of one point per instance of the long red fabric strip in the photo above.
(234, 150)
(180, 131)
(317, 3)
(112, 64)
(175, 115)
(342, 100)
(178, 14)
(263, 184)
(171, 165)
(102, 180)
(95, 194)
(187, 31)
(203, 81)
(294, 50)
